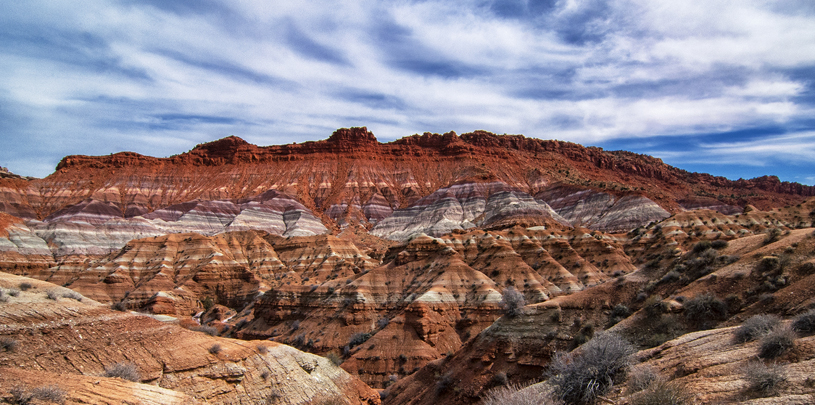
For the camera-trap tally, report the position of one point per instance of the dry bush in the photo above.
(516, 395)
(124, 370)
(776, 343)
(704, 310)
(51, 295)
(580, 377)
(13, 292)
(25, 286)
(764, 379)
(640, 377)
(8, 344)
(215, 349)
(663, 393)
(512, 302)
(50, 393)
(755, 327)
(209, 330)
(805, 323)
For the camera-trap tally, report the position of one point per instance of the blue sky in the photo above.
(725, 87)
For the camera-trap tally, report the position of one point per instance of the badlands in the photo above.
(432, 269)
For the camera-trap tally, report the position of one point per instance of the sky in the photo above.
(723, 87)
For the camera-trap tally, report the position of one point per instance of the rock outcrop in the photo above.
(70, 334)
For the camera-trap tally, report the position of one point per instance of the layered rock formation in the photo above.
(70, 334)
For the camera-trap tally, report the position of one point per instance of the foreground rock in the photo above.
(71, 334)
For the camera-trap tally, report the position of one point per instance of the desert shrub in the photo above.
(51, 295)
(670, 277)
(215, 349)
(444, 383)
(512, 302)
(663, 393)
(8, 344)
(762, 378)
(640, 377)
(516, 395)
(807, 268)
(755, 327)
(805, 323)
(499, 379)
(381, 323)
(3, 297)
(73, 295)
(25, 286)
(262, 349)
(768, 264)
(701, 246)
(703, 310)
(773, 235)
(209, 330)
(50, 393)
(295, 325)
(654, 307)
(718, 244)
(359, 338)
(119, 306)
(777, 342)
(20, 395)
(124, 370)
(578, 378)
(14, 292)
(207, 303)
(334, 357)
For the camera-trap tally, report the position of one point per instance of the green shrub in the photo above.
(581, 376)
(764, 379)
(124, 370)
(779, 341)
(755, 327)
(805, 323)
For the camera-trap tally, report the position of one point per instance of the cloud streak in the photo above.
(668, 78)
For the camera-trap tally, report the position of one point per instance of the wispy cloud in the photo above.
(687, 78)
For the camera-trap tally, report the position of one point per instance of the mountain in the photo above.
(396, 259)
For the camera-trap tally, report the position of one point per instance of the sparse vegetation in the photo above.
(14, 292)
(773, 235)
(51, 295)
(640, 377)
(718, 244)
(755, 327)
(3, 297)
(516, 395)
(50, 393)
(124, 370)
(209, 330)
(579, 378)
(334, 357)
(704, 310)
(262, 349)
(779, 341)
(663, 393)
(8, 344)
(119, 306)
(444, 383)
(215, 349)
(764, 379)
(25, 286)
(359, 338)
(72, 295)
(512, 302)
(804, 324)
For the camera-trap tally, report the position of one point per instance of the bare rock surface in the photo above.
(75, 335)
